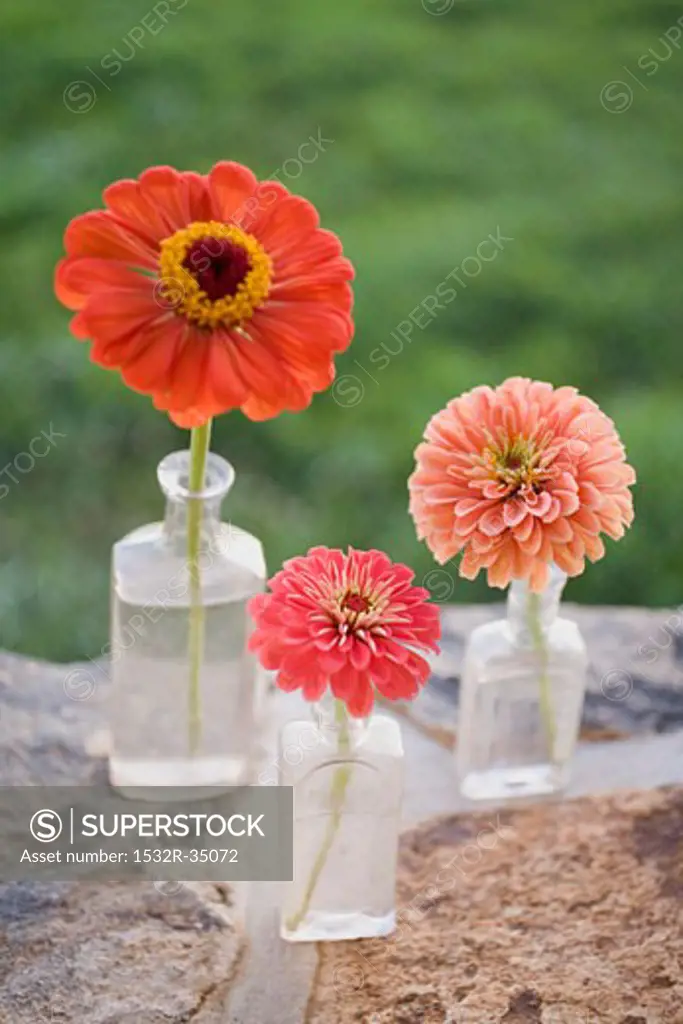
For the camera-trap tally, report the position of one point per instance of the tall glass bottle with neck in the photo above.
(522, 691)
(184, 687)
(347, 775)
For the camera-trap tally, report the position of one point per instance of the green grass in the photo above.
(444, 128)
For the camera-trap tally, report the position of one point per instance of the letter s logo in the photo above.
(46, 826)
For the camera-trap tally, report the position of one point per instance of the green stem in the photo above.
(340, 784)
(544, 696)
(199, 449)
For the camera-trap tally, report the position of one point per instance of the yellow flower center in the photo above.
(516, 462)
(213, 273)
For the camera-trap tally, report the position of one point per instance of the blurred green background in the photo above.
(449, 123)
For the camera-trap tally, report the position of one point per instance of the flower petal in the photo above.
(165, 189)
(100, 234)
(76, 279)
(231, 186)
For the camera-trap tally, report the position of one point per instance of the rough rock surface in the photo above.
(635, 681)
(116, 953)
(559, 914)
(76, 953)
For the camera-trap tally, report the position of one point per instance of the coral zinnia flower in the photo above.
(352, 621)
(519, 477)
(209, 292)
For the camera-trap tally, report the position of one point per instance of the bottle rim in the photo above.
(173, 473)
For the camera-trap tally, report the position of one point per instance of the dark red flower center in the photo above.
(355, 603)
(218, 265)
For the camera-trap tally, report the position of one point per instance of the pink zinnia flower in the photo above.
(351, 621)
(518, 477)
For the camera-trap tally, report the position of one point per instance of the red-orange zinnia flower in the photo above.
(351, 621)
(209, 292)
(519, 477)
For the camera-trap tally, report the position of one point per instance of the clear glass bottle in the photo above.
(170, 725)
(347, 775)
(522, 692)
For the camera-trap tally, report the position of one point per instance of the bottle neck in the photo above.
(338, 728)
(176, 517)
(173, 474)
(528, 612)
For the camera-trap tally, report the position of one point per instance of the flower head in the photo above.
(209, 293)
(518, 477)
(351, 621)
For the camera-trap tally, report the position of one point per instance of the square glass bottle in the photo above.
(522, 691)
(347, 775)
(184, 687)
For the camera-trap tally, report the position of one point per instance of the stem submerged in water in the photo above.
(199, 449)
(340, 784)
(544, 696)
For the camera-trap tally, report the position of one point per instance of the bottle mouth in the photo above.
(173, 474)
(328, 723)
(519, 589)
